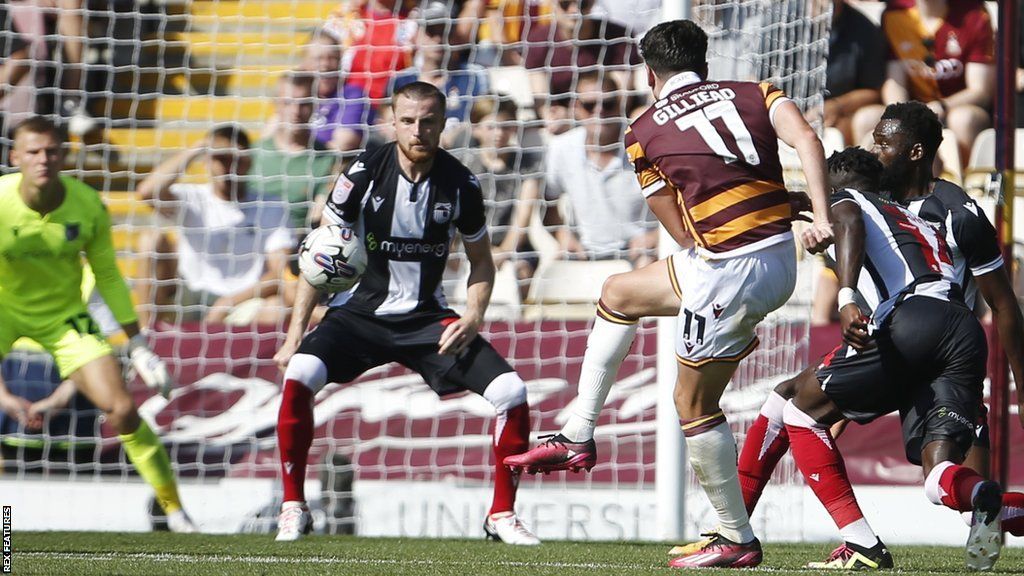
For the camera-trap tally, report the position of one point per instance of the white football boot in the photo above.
(179, 522)
(985, 539)
(508, 528)
(294, 522)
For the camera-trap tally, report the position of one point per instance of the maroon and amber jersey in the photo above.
(713, 144)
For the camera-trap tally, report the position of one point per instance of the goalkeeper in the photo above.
(46, 222)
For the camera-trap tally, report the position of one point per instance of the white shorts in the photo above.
(724, 300)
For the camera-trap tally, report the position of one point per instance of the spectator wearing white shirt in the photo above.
(608, 215)
(232, 246)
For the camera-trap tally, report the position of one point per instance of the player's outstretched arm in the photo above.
(794, 130)
(995, 288)
(460, 333)
(849, 237)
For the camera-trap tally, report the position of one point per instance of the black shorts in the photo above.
(351, 343)
(929, 364)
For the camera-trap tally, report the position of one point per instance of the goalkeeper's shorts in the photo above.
(73, 340)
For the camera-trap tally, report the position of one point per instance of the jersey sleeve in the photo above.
(773, 98)
(346, 198)
(472, 220)
(103, 260)
(976, 237)
(646, 174)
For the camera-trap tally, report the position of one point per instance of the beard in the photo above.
(896, 177)
(417, 155)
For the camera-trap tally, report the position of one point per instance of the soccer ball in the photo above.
(332, 258)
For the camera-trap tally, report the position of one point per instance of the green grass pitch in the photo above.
(53, 553)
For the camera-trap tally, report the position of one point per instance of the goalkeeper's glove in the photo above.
(149, 366)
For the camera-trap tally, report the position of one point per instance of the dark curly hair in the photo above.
(919, 123)
(856, 168)
(675, 46)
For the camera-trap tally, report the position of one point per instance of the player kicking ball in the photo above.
(706, 155)
(47, 222)
(407, 199)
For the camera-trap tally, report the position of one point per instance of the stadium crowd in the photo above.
(554, 156)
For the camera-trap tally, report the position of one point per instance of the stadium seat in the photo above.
(983, 161)
(949, 155)
(267, 12)
(211, 109)
(569, 289)
(505, 302)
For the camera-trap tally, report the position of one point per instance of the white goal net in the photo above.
(151, 79)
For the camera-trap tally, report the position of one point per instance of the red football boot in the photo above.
(556, 453)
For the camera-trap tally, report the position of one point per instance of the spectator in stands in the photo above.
(30, 24)
(342, 110)
(855, 74)
(290, 163)
(232, 246)
(589, 164)
(378, 38)
(577, 41)
(510, 178)
(941, 53)
(446, 66)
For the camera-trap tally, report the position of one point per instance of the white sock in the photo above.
(713, 457)
(773, 407)
(607, 346)
(859, 532)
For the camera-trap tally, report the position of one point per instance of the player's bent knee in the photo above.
(307, 369)
(615, 292)
(506, 391)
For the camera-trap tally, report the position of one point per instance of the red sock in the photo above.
(763, 447)
(294, 437)
(956, 487)
(511, 436)
(1013, 513)
(818, 458)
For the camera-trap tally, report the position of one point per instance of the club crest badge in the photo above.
(442, 212)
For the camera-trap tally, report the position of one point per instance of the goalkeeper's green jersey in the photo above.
(41, 256)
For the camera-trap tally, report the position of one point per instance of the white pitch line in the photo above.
(188, 558)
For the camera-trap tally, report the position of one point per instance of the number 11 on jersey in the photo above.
(726, 110)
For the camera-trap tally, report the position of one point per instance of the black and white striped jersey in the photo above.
(904, 256)
(969, 234)
(407, 228)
